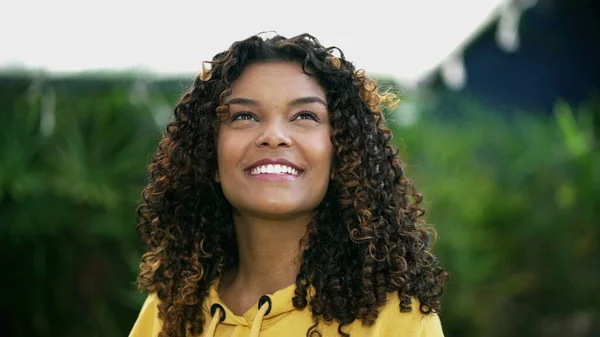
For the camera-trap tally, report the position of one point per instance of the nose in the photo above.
(273, 135)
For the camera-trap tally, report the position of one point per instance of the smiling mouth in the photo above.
(274, 169)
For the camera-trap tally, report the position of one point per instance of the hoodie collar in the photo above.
(280, 303)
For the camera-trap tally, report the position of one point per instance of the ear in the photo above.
(217, 178)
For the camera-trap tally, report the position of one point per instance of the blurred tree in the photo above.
(515, 201)
(516, 205)
(73, 154)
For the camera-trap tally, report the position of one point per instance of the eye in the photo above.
(306, 115)
(244, 115)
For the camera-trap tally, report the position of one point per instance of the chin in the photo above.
(274, 209)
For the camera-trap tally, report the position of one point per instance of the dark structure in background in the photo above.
(557, 57)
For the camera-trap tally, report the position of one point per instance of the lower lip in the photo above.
(275, 177)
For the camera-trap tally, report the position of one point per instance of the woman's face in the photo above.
(274, 148)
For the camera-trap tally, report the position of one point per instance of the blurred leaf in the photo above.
(573, 137)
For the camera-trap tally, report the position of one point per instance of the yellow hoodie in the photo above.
(278, 317)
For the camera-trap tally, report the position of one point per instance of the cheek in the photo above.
(228, 153)
(321, 153)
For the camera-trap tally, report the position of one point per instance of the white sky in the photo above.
(402, 38)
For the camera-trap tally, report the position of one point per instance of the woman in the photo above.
(277, 206)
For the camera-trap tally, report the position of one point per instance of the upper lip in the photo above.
(274, 161)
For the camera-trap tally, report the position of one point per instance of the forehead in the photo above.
(275, 78)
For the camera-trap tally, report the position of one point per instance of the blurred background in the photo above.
(499, 128)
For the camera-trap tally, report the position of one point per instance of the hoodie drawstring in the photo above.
(264, 305)
(218, 315)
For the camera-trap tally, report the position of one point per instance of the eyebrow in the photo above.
(294, 102)
(242, 101)
(306, 100)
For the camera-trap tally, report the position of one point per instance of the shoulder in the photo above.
(147, 323)
(392, 321)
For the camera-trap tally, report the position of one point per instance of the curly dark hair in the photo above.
(369, 217)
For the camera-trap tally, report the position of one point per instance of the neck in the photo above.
(269, 254)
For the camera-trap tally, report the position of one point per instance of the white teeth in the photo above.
(274, 169)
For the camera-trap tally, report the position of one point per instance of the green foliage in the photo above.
(73, 166)
(515, 202)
